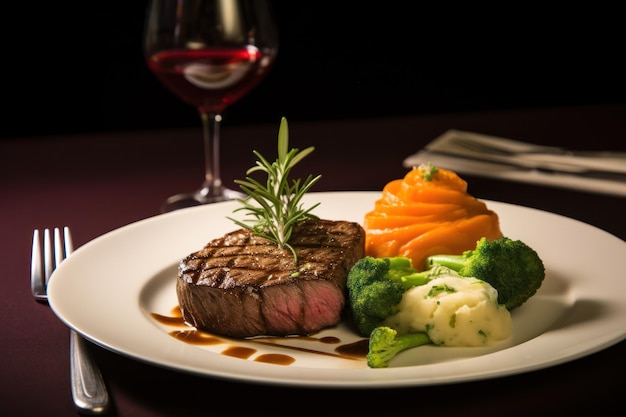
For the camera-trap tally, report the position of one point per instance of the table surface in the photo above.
(98, 182)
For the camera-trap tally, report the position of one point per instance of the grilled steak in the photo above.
(242, 285)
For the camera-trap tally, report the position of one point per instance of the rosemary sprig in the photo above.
(278, 207)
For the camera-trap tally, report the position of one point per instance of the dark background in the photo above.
(78, 67)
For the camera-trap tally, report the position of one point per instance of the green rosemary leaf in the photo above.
(283, 139)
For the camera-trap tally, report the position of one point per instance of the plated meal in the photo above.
(429, 265)
(359, 282)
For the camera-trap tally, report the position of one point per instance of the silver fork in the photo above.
(88, 388)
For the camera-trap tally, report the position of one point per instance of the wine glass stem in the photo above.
(212, 186)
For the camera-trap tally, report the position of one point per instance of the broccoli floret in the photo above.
(510, 266)
(375, 288)
(384, 344)
(372, 295)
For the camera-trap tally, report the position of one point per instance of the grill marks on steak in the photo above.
(242, 285)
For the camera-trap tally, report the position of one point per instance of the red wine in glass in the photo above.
(209, 80)
(209, 53)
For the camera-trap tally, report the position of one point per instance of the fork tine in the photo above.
(69, 245)
(59, 252)
(48, 256)
(36, 269)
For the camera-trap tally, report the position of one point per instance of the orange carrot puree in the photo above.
(422, 215)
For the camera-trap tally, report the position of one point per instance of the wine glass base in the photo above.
(198, 198)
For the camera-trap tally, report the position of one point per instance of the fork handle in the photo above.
(88, 388)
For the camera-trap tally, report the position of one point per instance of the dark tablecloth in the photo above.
(98, 182)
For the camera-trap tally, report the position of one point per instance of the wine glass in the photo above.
(209, 53)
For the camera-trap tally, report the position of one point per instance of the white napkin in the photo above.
(444, 152)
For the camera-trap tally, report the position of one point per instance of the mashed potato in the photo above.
(454, 311)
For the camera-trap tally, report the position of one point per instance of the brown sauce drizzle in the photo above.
(350, 351)
(194, 337)
(356, 349)
(239, 352)
(276, 359)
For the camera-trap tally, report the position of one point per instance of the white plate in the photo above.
(109, 288)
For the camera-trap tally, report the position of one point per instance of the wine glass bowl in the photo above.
(209, 80)
(209, 53)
